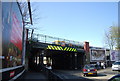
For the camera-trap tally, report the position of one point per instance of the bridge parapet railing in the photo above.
(50, 40)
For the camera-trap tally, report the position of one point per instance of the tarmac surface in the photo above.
(103, 75)
(32, 76)
(69, 75)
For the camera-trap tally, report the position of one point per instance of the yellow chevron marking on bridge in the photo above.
(61, 48)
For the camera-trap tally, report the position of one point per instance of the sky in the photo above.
(78, 21)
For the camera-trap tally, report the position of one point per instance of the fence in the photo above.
(49, 39)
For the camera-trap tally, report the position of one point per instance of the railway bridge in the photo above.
(54, 52)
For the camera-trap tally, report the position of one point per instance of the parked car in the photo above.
(116, 66)
(115, 78)
(89, 69)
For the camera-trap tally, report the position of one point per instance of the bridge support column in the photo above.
(75, 61)
(87, 53)
(41, 57)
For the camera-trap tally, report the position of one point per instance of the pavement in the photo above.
(32, 76)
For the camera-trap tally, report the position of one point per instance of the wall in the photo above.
(87, 53)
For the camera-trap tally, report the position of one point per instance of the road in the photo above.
(103, 75)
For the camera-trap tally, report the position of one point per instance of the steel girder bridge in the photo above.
(55, 52)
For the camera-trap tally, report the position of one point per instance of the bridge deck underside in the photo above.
(66, 60)
(59, 59)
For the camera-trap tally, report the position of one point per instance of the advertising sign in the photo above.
(114, 55)
(16, 34)
(12, 35)
(97, 55)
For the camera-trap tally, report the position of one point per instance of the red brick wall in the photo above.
(86, 47)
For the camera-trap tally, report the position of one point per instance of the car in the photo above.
(115, 78)
(116, 66)
(89, 69)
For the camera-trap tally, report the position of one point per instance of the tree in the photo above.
(109, 42)
(112, 37)
(25, 13)
(26, 17)
(115, 33)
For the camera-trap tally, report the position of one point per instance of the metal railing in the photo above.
(49, 39)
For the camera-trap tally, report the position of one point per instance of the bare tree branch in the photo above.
(112, 37)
